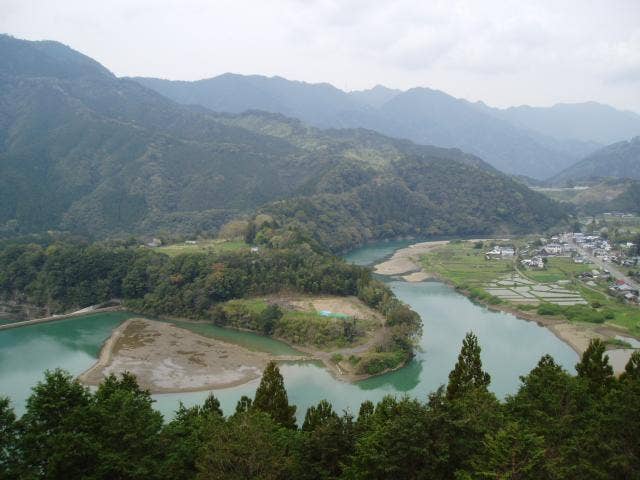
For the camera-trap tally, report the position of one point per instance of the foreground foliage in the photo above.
(556, 426)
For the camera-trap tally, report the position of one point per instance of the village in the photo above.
(607, 257)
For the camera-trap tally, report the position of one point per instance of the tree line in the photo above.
(556, 426)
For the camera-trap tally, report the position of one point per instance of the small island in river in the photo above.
(166, 358)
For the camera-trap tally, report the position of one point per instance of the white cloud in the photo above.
(502, 52)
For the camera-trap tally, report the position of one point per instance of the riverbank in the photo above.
(168, 359)
(405, 264)
(52, 318)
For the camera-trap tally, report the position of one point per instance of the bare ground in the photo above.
(406, 260)
(166, 358)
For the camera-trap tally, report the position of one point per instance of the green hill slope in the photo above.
(620, 160)
(84, 151)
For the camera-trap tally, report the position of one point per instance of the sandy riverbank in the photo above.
(405, 261)
(166, 358)
(406, 264)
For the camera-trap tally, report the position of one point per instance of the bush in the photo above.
(549, 309)
(378, 362)
(336, 357)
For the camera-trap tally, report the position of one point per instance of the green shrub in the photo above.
(549, 309)
(378, 362)
(336, 357)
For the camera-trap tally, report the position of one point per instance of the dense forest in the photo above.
(82, 151)
(65, 276)
(420, 197)
(557, 426)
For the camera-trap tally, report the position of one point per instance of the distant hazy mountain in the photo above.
(620, 160)
(538, 142)
(589, 122)
(376, 96)
(239, 93)
(84, 151)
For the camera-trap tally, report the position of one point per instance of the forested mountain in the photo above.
(620, 160)
(84, 151)
(430, 117)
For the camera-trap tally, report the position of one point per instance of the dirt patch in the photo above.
(576, 335)
(166, 358)
(416, 277)
(406, 260)
(350, 306)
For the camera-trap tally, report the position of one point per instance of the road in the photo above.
(612, 267)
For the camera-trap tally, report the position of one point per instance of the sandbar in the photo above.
(166, 358)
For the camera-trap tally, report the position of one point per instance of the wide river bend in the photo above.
(510, 348)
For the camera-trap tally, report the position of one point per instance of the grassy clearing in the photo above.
(625, 315)
(203, 246)
(462, 264)
(558, 268)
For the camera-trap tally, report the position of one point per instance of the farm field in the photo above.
(555, 290)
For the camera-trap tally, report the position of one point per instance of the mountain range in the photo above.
(84, 151)
(535, 142)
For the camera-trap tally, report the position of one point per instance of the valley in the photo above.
(247, 276)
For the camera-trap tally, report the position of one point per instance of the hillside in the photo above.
(628, 201)
(620, 160)
(84, 151)
(422, 115)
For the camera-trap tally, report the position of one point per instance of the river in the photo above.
(510, 347)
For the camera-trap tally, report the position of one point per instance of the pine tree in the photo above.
(594, 367)
(512, 452)
(468, 373)
(318, 415)
(632, 369)
(271, 397)
(8, 438)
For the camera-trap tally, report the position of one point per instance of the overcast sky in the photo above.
(502, 52)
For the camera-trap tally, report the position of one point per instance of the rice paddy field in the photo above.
(505, 281)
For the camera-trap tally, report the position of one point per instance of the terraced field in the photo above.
(515, 288)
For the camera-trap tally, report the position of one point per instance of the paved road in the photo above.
(612, 267)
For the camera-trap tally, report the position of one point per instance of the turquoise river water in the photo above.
(510, 348)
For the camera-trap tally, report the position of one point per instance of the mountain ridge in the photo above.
(502, 137)
(100, 155)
